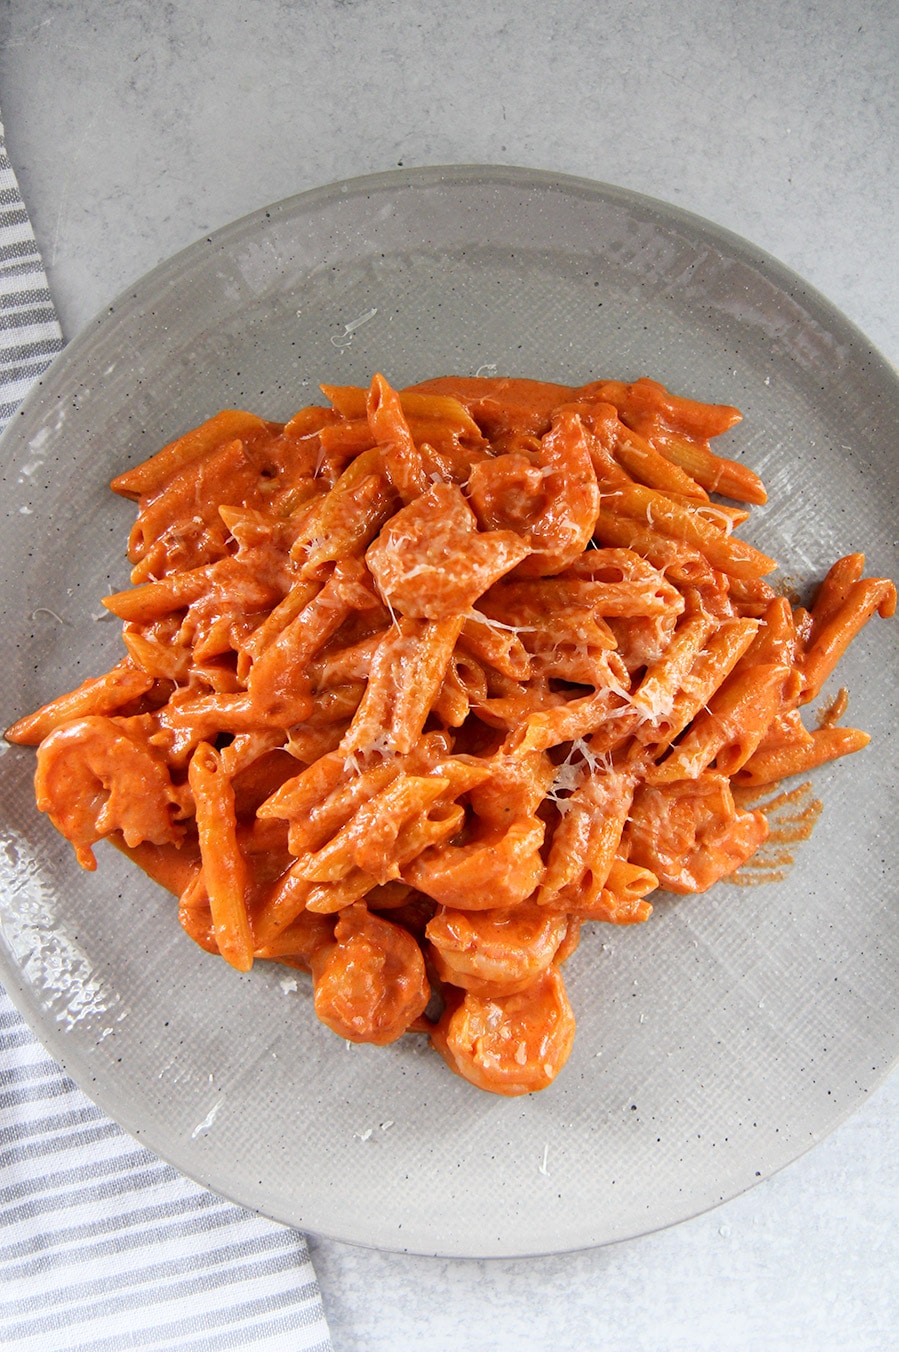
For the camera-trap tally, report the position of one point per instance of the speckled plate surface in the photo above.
(717, 1042)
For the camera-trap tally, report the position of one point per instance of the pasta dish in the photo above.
(422, 680)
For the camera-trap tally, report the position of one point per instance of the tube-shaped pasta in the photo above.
(342, 522)
(735, 720)
(225, 872)
(99, 695)
(712, 665)
(647, 466)
(767, 766)
(586, 840)
(402, 458)
(407, 671)
(831, 595)
(152, 474)
(679, 521)
(832, 637)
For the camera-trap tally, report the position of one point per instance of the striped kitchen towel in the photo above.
(29, 333)
(103, 1247)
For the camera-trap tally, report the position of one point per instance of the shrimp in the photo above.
(431, 562)
(512, 1044)
(499, 868)
(98, 775)
(370, 984)
(553, 504)
(690, 833)
(492, 953)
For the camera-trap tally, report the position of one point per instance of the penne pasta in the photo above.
(770, 764)
(407, 671)
(832, 634)
(225, 875)
(681, 521)
(152, 475)
(418, 683)
(105, 694)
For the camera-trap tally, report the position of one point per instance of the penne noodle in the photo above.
(736, 718)
(280, 672)
(225, 874)
(343, 521)
(151, 475)
(767, 766)
(711, 667)
(647, 466)
(680, 522)
(279, 617)
(403, 460)
(833, 592)
(663, 680)
(649, 407)
(621, 901)
(105, 694)
(730, 729)
(586, 840)
(832, 637)
(367, 839)
(438, 409)
(681, 564)
(715, 473)
(566, 722)
(406, 673)
(180, 526)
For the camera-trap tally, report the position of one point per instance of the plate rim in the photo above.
(422, 176)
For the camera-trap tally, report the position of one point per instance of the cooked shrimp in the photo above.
(512, 1044)
(370, 984)
(431, 562)
(496, 952)
(97, 775)
(690, 833)
(499, 868)
(552, 504)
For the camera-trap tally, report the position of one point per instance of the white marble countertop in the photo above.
(135, 128)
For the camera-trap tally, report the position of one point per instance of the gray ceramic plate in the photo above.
(717, 1042)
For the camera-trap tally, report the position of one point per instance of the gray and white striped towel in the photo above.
(102, 1246)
